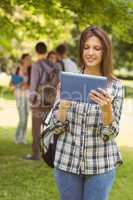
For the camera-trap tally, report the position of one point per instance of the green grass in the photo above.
(21, 179)
(33, 180)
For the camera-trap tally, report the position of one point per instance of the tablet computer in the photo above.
(76, 87)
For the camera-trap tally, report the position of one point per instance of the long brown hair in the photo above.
(106, 65)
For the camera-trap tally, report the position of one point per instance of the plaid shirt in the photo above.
(89, 147)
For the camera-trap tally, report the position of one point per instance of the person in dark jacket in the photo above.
(42, 73)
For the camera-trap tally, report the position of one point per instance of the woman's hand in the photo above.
(64, 105)
(104, 99)
(63, 108)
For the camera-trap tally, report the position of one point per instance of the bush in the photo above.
(128, 92)
(124, 74)
(6, 93)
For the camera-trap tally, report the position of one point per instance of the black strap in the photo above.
(62, 65)
(46, 120)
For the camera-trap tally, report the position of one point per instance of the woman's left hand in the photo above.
(101, 97)
(104, 99)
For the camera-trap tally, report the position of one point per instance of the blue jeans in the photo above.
(23, 108)
(84, 187)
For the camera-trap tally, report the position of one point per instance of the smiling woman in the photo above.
(87, 155)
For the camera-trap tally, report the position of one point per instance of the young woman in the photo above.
(52, 56)
(87, 155)
(22, 93)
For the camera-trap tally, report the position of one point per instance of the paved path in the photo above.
(9, 114)
(125, 138)
(8, 117)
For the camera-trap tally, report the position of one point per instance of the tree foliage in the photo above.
(62, 20)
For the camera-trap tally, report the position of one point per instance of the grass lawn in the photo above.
(33, 180)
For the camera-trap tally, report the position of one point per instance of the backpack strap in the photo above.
(62, 65)
(47, 118)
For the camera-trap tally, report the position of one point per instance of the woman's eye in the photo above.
(86, 47)
(98, 48)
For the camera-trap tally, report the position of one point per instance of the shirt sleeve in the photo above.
(54, 115)
(110, 131)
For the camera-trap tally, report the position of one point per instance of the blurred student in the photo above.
(21, 82)
(66, 63)
(52, 56)
(43, 71)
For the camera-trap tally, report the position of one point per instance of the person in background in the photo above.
(21, 83)
(41, 73)
(65, 62)
(52, 56)
(87, 155)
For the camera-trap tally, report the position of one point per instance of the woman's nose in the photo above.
(90, 51)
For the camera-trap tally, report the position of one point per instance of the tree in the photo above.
(58, 21)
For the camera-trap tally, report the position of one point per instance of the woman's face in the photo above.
(26, 61)
(92, 52)
(53, 58)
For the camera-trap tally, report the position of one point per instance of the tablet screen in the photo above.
(76, 87)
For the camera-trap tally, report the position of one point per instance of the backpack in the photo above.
(47, 92)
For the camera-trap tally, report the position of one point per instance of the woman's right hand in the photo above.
(62, 111)
(63, 106)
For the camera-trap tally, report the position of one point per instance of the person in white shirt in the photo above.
(66, 63)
